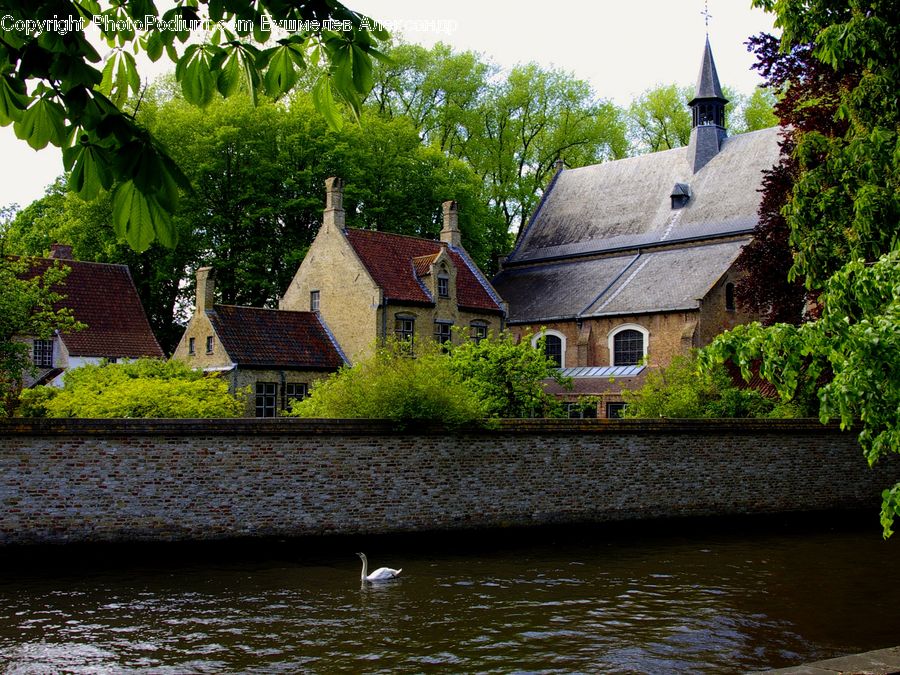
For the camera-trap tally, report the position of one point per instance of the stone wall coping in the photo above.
(284, 426)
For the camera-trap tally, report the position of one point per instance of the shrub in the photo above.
(393, 385)
(685, 390)
(142, 388)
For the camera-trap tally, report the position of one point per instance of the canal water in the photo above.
(690, 597)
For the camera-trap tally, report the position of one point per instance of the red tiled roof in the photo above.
(103, 297)
(274, 338)
(390, 259)
(423, 263)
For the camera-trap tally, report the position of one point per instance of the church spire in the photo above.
(708, 113)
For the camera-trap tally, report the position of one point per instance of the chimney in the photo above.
(334, 203)
(61, 251)
(450, 233)
(206, 289)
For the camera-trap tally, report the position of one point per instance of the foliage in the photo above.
(139, 389)
(28, 309)
(659, 118)
(392, 385)
(683, 390)
(843, 216)
(511, 128)
(53, 90)
(506, 375)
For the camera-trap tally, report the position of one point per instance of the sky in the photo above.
(621, 48)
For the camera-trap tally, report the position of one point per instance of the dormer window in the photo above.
(681, 195)
(443, 285)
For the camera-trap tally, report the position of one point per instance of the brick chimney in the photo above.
(206, 289)
(334, 203)
(61, 251)
(450, 233)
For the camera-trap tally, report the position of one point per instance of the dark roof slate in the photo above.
(272, 338)
(395, 261)
(103, 297)
(707, 79)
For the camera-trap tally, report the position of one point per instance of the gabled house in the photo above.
(628, 263)
(277, 354)
(368, 285)
(104, 298)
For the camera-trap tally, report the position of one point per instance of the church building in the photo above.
(626, 264)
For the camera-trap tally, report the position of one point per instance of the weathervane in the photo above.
(706, 15)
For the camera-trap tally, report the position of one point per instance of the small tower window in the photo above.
(729, 297)
(443, 287)
(314, 301)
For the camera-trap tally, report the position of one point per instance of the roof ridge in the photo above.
(395, 234)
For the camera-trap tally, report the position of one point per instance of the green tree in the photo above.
(507, 375)
(844, 219)
(53, 93)
(28, 309)
(659, 118)
(139, 389)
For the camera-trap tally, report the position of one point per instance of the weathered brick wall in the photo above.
(88, 480)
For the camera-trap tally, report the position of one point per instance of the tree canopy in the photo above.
(54, 90)
(842, 213)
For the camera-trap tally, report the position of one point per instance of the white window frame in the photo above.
(611, 343)
(556, 333)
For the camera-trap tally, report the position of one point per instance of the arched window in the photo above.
(729, 297)
(554, 346)
(628, 345)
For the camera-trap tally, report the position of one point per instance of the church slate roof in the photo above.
(708, 79)
(103, 297)
(626, 203)
(275, 338)
(395, 262)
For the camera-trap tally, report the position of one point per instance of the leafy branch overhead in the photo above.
(56, 89)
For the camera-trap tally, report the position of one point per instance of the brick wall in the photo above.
(120, 480)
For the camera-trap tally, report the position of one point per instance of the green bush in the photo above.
(685, 390)
(142, 388)
(393, 385)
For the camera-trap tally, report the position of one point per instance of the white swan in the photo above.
(381, 574)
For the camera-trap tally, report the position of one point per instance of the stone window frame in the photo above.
(443, 331)
(549, 332)
(478, 331)
(192, 346)
(729, 297)
(266, 399)
(621, 328)
(405, 328)
(443, 286)
(293, 391)
(42, 353)
(210, 344)
(314, 300)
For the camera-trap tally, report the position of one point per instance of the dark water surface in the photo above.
(671, 598)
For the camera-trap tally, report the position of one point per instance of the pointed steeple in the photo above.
(708, 113)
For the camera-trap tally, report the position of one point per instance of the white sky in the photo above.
(621, 48)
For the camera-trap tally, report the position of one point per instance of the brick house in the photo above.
(104, 298)
(628, 263)
(367, 285)
(277, 354)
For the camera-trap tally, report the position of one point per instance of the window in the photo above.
(478, 331)
(443, 331)
(628, 345)
(553, 349)
(294, 391)
(42, 353)
(404, 327)
(554, 346)
(443, 287)
(209, 344)
(192, 346)
(314, 301)
(578, 410)
(614, 410)
(265, 399)
(729, 297)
